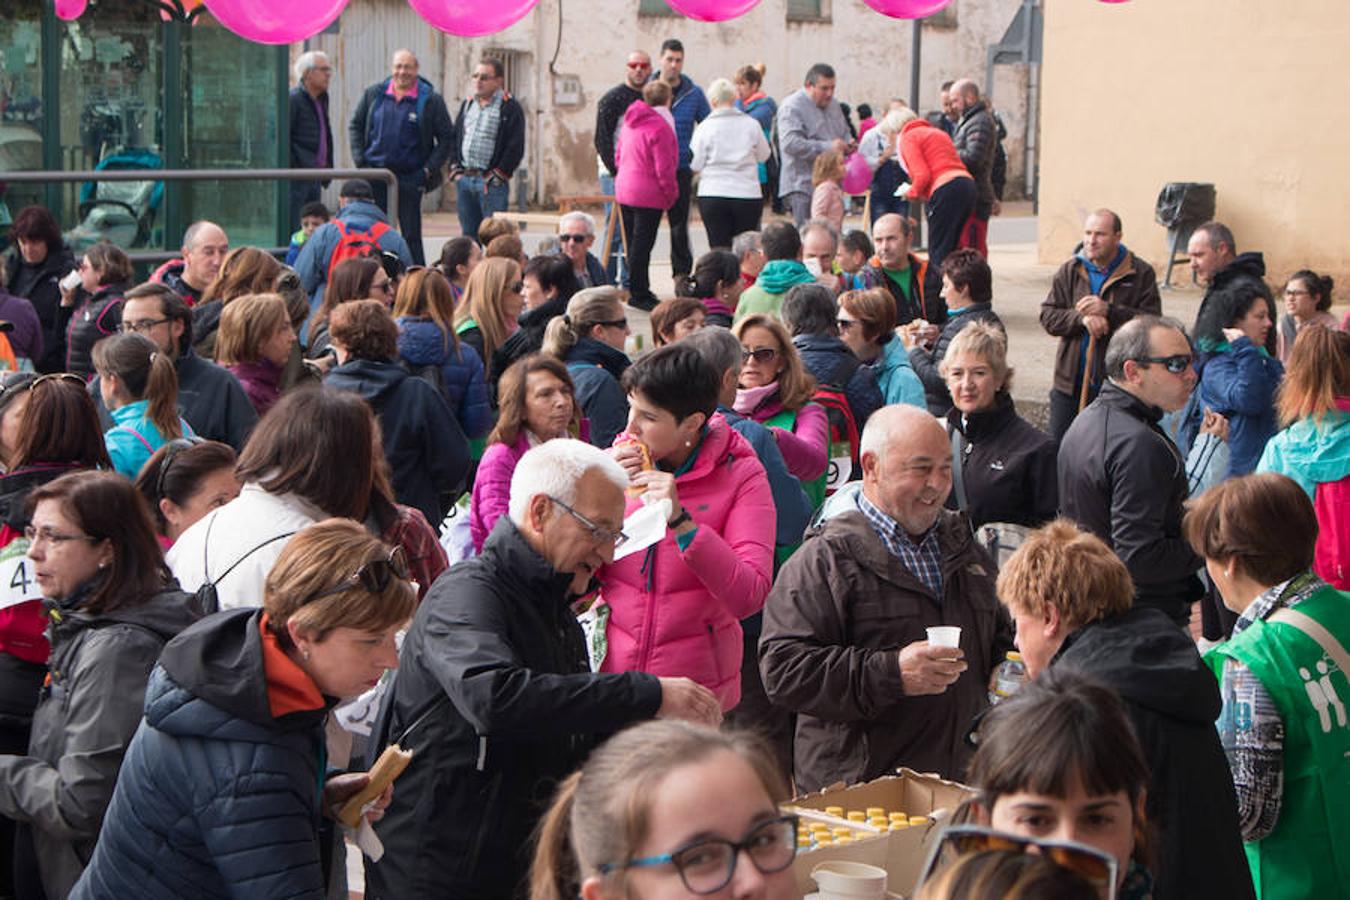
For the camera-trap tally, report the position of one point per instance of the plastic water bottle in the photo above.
(1008, 677)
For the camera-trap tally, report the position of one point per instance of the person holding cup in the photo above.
(844, 643)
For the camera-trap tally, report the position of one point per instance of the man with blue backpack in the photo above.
(402, 124)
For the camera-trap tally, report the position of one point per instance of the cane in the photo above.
(1088, 367)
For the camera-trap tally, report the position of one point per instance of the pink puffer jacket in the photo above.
(647, 155)
(677, 612)
(492, 486)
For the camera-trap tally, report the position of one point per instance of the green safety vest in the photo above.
(1300, 656)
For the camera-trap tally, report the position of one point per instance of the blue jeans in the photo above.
(476, 202)
(618, 266)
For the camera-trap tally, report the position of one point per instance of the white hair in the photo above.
(305, 62)
(721, 92)
(577, 215)
(555, 468)
(897, 119)
(891, 423)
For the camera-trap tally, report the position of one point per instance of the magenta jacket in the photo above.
(647, 155)
(676, 612)
(806, 448)
(492, 486)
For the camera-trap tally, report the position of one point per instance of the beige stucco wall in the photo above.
(1245, 94)
(870, 52)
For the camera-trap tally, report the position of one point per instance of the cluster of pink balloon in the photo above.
(721, 10)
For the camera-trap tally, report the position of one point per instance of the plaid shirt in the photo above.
(481, 124)
(922, 560)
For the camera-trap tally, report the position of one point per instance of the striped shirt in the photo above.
(922, 560)
(481, 124)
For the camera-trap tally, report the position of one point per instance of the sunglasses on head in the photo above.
(26, 382)
(759, 354)
(1094, 865)
(374, 576)
(171, 451)
(1174, 364)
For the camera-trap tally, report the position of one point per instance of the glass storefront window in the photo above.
(20, 101)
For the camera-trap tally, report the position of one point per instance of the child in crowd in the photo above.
(312, 215)
(827, 202)
(855, 249)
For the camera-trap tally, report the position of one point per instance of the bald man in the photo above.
(844, 644)
(401, 124)
(976, 140)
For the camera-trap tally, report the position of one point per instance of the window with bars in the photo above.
(808, 10)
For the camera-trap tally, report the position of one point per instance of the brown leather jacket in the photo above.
(1129, 290)
(840, 612)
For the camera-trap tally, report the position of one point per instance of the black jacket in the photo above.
(436, 129)
(1123, 479)
(494, 666)
(171, 276)
(306, 126)
(1172, 700)
(95, 318)
(427, 451)
(89, 710)
(926, 362)
(38, 284)
(527, 339)
(596, 370)
(509, 148)
(1247, 270)
(217, 797)
(976, 140)
(608, 117)
(1008, 466)
(824, 355)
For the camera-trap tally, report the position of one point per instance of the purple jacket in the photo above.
(492, 486)
(26, 338)
(647, 156)
(261, 381)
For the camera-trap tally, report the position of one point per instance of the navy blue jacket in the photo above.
(216, 798)
(434, 129)
(305, 127)
(926, 362)
(689, 106)
(823, 354)
(596, 368)
(1240, 382)
(789, 500)
(421, 342)
(427, 452)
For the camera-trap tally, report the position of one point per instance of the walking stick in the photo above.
(1088, 366)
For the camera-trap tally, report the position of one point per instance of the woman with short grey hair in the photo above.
(728, 147)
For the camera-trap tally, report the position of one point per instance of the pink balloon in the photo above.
(857, 175)
(907, 9)
(472, 18)
(712, 10)
(273, 22)
(70, 10)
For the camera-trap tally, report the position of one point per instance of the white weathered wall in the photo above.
(870, 52)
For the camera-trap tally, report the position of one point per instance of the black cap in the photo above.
(357, 189)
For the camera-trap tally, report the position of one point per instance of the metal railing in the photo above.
(158, 256)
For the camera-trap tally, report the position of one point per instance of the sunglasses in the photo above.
(374, 576)
(706, 866)
(1174, 364)
(1095, 865)
(615, 323)
(633, 65)
(27, 383)
(517, 287)
(573, 238)
(759, 355)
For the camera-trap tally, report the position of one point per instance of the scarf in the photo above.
(749, 399)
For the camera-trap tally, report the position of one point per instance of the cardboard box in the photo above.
(900, 853)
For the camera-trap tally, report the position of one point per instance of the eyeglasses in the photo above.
(517, 287)
(374, 576)
(52, 536)
(140, 327)
(759, 354)
(707, 866)
(1095, 865)
(601, 534)
(385, 286)
(573, 238)
(615, 323)
(1174, 364)
(1294, 292)
(845, 324)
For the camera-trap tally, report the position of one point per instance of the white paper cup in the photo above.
(945, 636)
(839, 880)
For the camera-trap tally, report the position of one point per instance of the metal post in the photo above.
(51, 90)
(174, 125)
(282, 191)
(915, 53)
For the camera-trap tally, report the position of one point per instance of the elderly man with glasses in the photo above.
(311, 131)
(494, 693)
(1122, 478)
(576, 236)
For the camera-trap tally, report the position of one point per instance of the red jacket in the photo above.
(647, 156)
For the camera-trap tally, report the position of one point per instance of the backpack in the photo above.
(845, 464)
(431, 373)
(206, 599)
(354, 243)
(1332, 559)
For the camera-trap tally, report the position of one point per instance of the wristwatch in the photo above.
(679, 520)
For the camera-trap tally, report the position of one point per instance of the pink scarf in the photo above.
(750, 399)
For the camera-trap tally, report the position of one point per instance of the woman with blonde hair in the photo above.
(254, 342)
(213, 751)
(140, 389)
(827, 197)
(536, 404)
(728, 148)
(669, 809)
(246, 270)
(589, 339)
(424, 311)
(1314, 447)
(775, 390)
(489, 312)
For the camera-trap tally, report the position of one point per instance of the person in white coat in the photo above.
(728, 147)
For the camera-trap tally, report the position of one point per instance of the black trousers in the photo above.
(681, 257)
(20, 683)
(409, 211)
(641, 223)
(726, 217)
(948, 209)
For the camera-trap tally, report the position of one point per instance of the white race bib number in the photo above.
(18, 582)
(837, 475)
